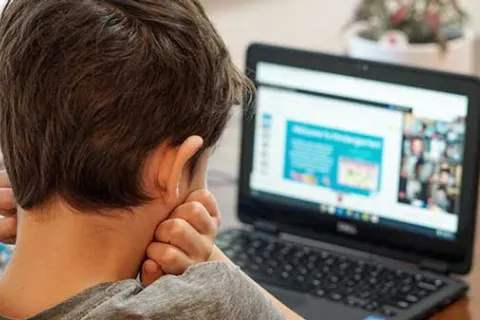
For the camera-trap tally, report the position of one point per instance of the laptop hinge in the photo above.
(435, 266)
(266, 227)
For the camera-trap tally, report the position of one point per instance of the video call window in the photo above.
(431, 161)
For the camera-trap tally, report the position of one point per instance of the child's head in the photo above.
(91, 91)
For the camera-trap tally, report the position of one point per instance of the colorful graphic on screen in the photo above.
(343, 161)
(358, 174)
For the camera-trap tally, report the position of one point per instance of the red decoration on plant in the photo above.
(400, 15)
(432, 19)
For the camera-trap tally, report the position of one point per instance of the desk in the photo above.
(466, 309)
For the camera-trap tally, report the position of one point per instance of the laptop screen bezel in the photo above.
(402, 244)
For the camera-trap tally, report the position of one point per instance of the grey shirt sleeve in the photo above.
(212, 290)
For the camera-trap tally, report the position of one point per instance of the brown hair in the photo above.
(89, 88)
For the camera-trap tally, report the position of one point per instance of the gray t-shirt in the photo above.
(211, 290)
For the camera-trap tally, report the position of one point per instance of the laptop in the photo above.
(358, 185)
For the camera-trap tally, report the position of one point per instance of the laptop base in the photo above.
(347, 299)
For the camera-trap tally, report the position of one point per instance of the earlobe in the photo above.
(183, 154)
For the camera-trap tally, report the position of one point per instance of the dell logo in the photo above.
(347, 228)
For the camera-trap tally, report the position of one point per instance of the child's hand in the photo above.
(8, 225)
(186, 238)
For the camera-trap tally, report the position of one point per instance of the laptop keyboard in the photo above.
(362, 284)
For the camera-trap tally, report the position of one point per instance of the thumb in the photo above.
(151, 272)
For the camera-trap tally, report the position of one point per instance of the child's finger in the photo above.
(197, 216)
(180, 234)
(8, 229)
(8, 213)
(207, 199)
(4, 181)
(170, 258)
(7, 201)
(151, 272)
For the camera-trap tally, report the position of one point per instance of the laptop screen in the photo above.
(359, 149)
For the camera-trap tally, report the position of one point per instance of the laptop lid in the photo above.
(366, 155)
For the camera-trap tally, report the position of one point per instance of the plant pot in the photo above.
(458, 58)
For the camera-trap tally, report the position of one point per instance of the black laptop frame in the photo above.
(411, 247)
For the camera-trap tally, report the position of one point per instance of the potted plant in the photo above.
(423, 33)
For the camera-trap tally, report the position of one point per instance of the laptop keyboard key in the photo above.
(303, 271)
(270, 271)
(371, 306)
(389, 312)
(331, 286)
(422, 293)
(434, 282)
(351, 303)
(273, 263)
(411, 298)
(319, 293)
(356, 301)
(257, 244)
(258, 260)
(349, 290)
(439, 283)
(254, 267)
(365, 295)
(427, 286)
(316, 283)
(406, 289)
(335, 296)
(318, 275)
(333, 279)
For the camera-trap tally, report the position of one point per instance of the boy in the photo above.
(108, 112)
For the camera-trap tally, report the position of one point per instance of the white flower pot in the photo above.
(458, 58)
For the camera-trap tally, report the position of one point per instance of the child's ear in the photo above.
(184, 153)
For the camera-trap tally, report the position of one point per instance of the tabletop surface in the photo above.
(466, 309)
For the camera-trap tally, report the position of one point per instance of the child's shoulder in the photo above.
(201, 282)
(210, 290)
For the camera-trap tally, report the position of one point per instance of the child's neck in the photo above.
(66, 253)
